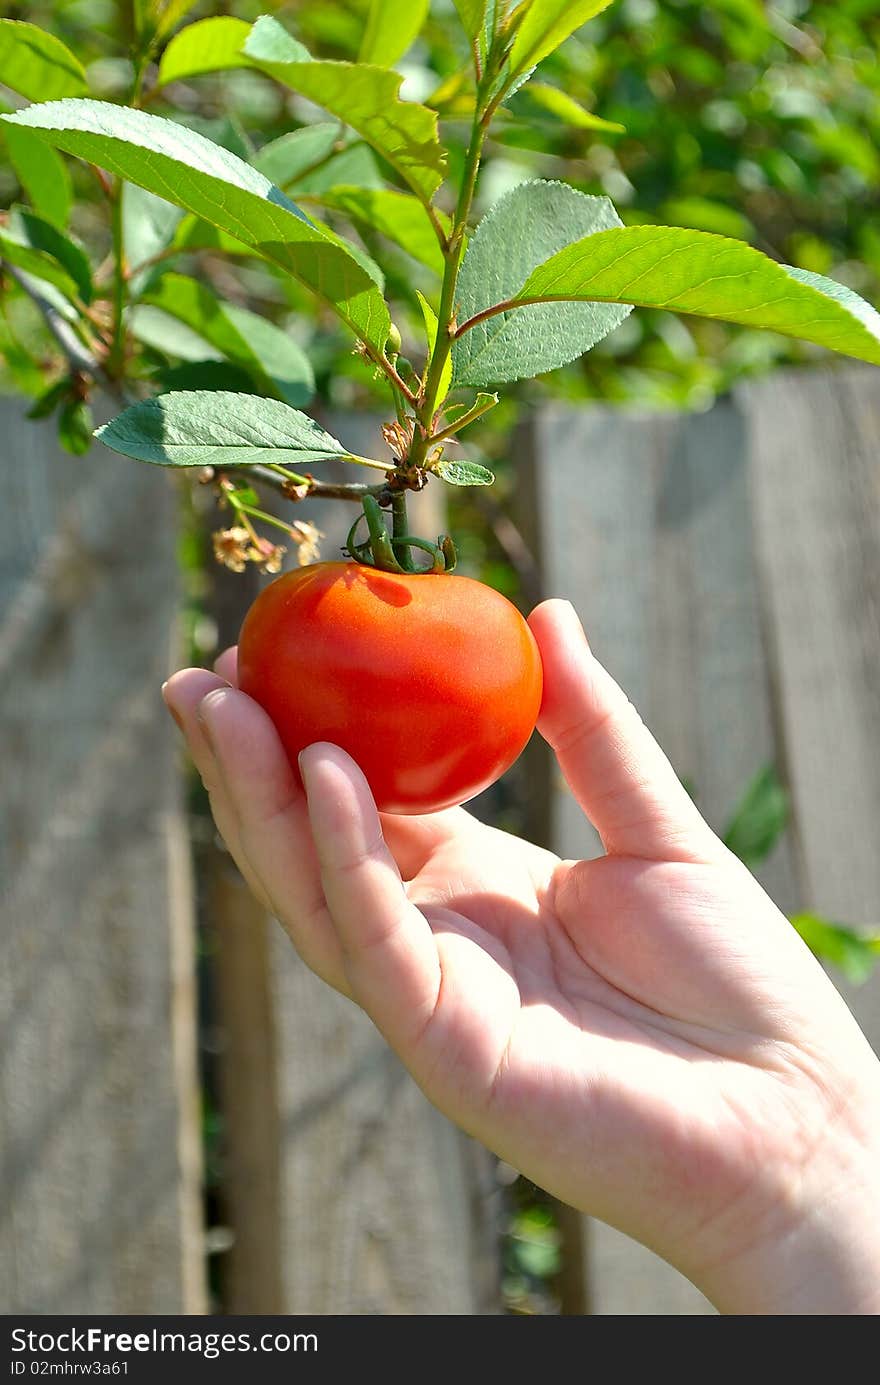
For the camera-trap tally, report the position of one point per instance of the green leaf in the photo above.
(397, 215)
(204, 375)
(856, 954)
(289, 157)
(431, 327)
(75, 424)
(148, 227)
(458, 416)
(759, 819)
(511, 240)
(47, 402)
(35, 245)
(168, 14)
(545, 25)
(209, 45)
(471, 13)
(275, 362)
(168, 335)
(709, 276)
(560, 104)
(43, 174)
(36, 64)
(391, 27)
(366, 98)
(461, 473)
(354, 163)
(269, 42)
(217, 428)
(185, 168)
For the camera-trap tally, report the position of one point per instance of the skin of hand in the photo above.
(644, 1035)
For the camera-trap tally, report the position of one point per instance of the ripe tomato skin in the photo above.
(431, 682)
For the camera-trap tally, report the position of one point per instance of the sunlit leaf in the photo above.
(391, 27)
(42, 173)
(366, 98)
(565, 108)
(460, 473)
(709, 276)
(183, 167)
(545, 25)
(397, 215)
(511, 240)
(216, 428)
(855, 954)
(210, 45)
(431, 329)
(36, 64)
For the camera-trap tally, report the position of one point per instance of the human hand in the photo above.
(643, 1035)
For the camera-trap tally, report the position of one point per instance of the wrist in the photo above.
(817, 1249)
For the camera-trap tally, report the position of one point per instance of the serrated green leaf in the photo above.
(392, 25)
(43, 174)
(209, 45)
(35, 245)
(511, 240)
(459, 473)
(366, 98)
(709, 276)
(36, 64)
(471, 13)
(217, 428)
(545, 25)
(185, 168)
(397, 215)
(564, 107)
(855, 954)
(275, 362)
(759, 819)
(431, 328)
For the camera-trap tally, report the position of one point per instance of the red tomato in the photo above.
(432, 683)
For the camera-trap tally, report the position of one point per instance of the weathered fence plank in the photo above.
(100, 1149)
(380, 1205)
(684, 541)
(816, 485)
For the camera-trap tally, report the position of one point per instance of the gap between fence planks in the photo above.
(100, 1150)
(727, 569)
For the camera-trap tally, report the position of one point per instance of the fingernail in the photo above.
(203, 713)
(172, 710)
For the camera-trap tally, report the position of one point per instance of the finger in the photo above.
(390, 955)
(183, 694)
(414, 840)
(226, 664)
(613, 766)
(274, 835)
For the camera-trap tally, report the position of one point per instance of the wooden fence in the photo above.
(727, 566)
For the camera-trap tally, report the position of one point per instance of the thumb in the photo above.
(611, 762)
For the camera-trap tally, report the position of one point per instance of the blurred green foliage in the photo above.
(757, 120)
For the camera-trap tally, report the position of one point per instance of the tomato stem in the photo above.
(399, 527)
